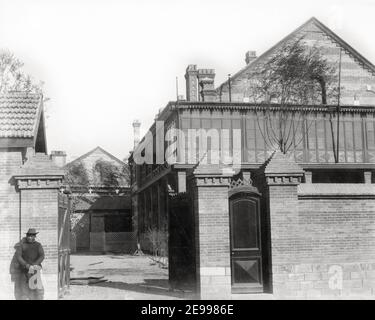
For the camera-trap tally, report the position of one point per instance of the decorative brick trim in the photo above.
(243, 185)
(206, 176)
(284, 179)
(209, 181)
(38, 182)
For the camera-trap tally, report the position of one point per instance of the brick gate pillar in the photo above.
(283, 176)
(212, 240)
(39, 209)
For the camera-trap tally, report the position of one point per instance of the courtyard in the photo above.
(127, 277)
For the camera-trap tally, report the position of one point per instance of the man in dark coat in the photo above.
(30, 255)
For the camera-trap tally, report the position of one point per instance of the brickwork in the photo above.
(39, 209)
(97, 234)
(9, 218)
(80, 223)
(90, 159)
(320, 247)
(120, 242)
(25, 203)
(211, 211)
(354, 77)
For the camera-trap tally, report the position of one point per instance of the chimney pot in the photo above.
(191, 82)
(59, 158)
(206, 79)
(250, 56)
(137, 132)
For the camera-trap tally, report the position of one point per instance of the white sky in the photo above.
(108, 62)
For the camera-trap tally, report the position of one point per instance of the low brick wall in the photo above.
(324, 280)
(120, 242)
(323, 240)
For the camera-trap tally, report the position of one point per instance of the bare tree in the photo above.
(13, 78)
(294, 75)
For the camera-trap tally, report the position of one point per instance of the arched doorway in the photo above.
(246, 249)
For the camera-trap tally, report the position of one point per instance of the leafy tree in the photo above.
(76, 175)
(13, 78)
(294, 74)
(79, 179)
(108, 174)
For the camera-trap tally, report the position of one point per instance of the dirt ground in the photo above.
(128, 278)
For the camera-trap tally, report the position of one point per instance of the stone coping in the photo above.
(324, 190)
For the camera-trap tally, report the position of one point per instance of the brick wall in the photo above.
(89, 162)
(354, 77)
(322, 245)
(39, 209)
(81, 230)
(212, 240)
(120, 242)
(9, 217)
(334, 237)
(97, 234)
(32, 202)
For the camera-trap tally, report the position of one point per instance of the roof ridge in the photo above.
(325, 29)
(85, 155)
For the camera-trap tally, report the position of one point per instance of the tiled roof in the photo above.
(19, 114)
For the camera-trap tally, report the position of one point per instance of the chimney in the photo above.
(59, 158)
(137, 132)
(206, 79)
(250, 56)
(191, 83)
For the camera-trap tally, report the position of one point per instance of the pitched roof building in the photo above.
(244, 217)
(22, 121)
(102, 217)
(357, 71)
(29, 189)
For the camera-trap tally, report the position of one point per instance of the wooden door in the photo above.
(246, 248)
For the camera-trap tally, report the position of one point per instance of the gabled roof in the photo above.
(312, 23)
(20, 115)
(86, 155)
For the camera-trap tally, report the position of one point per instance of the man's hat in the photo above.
(31, 231)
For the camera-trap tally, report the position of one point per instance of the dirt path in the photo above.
(128, 278)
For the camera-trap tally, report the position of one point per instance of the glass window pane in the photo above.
(349, 135)
(245, 227)
(358, 134)
(370, 135)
